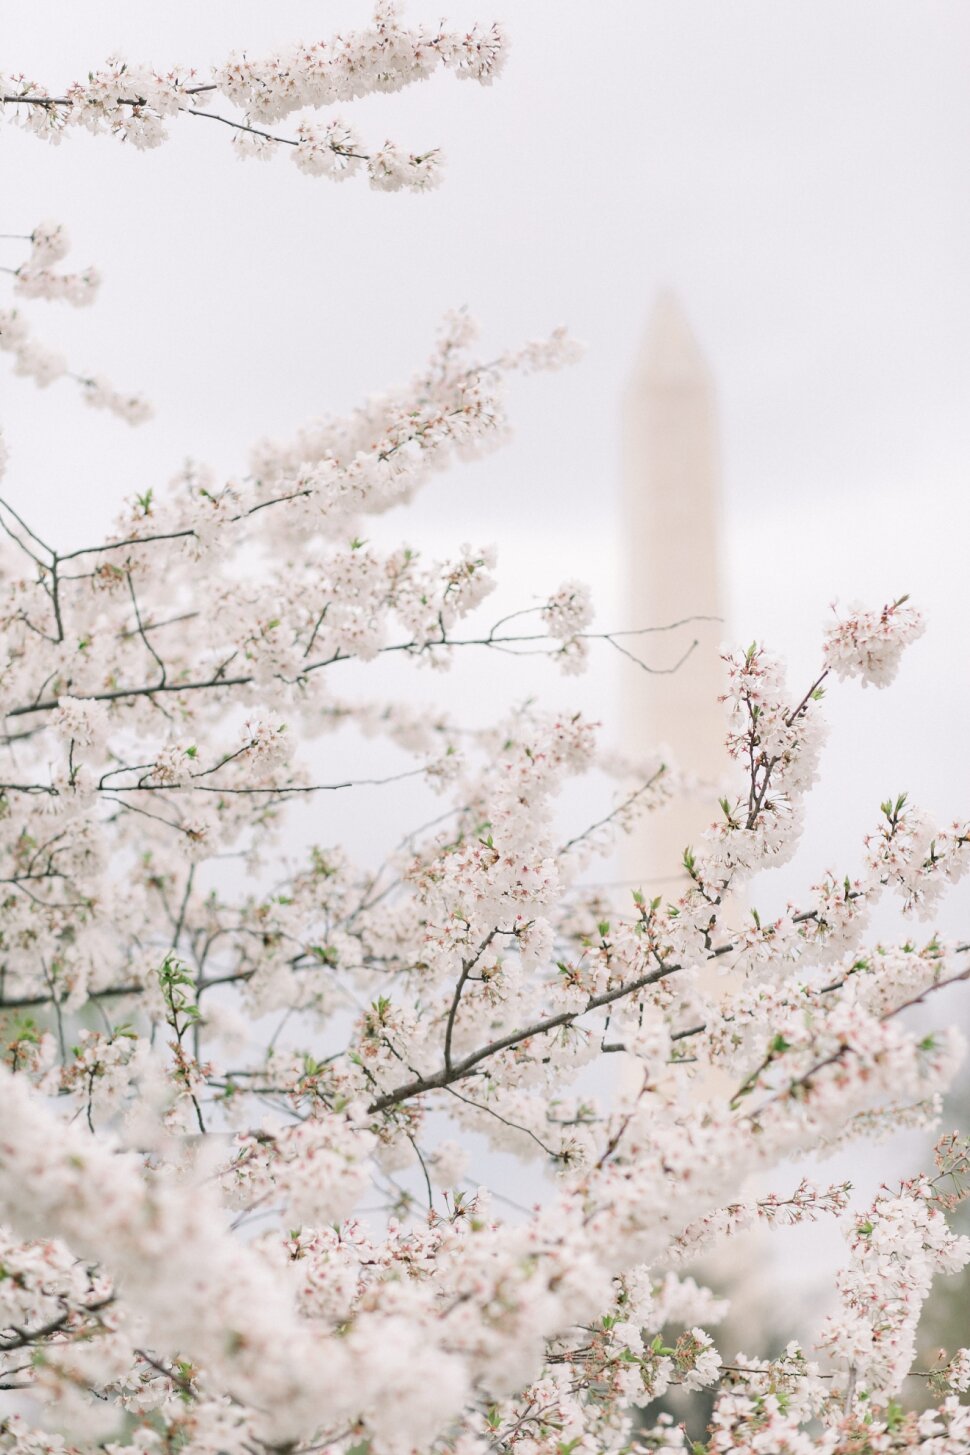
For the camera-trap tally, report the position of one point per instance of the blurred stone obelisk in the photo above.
(672, 521)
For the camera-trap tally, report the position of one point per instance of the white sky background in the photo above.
(796, 171)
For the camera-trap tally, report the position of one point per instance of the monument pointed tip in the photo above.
(670, 354)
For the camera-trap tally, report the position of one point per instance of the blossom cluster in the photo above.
(896, 1247)
(869, 644)
(37, 278)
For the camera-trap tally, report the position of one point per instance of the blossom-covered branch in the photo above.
(136, 103)
(38, 278)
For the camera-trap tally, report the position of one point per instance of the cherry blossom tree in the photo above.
(220, 1089)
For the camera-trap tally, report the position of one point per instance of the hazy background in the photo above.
(797, 172)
